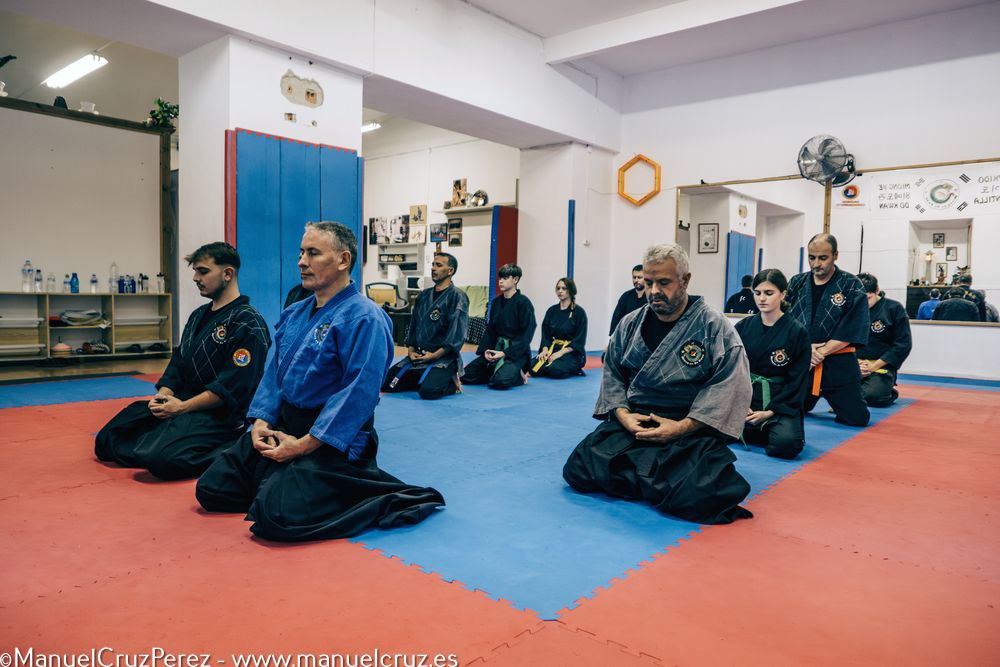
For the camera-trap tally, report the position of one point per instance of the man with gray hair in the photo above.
(676, 388)
(306, 470)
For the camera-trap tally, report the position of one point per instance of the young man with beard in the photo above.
(202, 399)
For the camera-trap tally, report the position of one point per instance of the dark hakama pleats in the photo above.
(321, 495)
(692, 478)
(181, 447)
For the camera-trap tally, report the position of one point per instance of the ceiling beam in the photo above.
(650, 24)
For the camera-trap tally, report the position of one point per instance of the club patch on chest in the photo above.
(219, 333)
(779, 357)
(692, 353)
(435, 315)
(319, 333)
(838, 299)
(878, 326)
(241, 357)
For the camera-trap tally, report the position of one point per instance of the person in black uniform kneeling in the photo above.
(564, 336)
(505, 350)
(779, 352)
(889, 343)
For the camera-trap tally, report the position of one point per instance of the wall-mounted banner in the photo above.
(965, 192)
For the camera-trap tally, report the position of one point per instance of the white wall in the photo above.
(708, 270)
(232, 83)
(434, 51)
(746, 116)
(77, 197)
(408, 163)
(934, 346)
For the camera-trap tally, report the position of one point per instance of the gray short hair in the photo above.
(664, 251)
(341, 236)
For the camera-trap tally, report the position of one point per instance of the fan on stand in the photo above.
(825, 160)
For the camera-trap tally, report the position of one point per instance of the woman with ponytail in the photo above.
(564, 336)
(779, 353)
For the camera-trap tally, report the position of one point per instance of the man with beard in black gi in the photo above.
(676, 388)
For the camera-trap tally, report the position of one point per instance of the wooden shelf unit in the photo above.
(26, 335)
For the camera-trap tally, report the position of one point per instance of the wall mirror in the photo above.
(917, 228)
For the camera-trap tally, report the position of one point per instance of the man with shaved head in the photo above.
(832, 305)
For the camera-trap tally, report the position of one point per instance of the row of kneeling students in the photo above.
(290, 442)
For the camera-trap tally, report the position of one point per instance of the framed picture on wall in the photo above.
(951, 253)
(938, 238)
(455, 225)
(439, 232)
(455, 240)
(708, 237)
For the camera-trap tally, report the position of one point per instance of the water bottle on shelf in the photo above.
(27, 275)
(161, 284)
(66, 285)
(38, 281)
(113, 278)
(74, 284)
(120, 285)
(93, 283)
(50, 283)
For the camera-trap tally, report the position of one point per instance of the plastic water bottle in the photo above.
(38, 281)
(113, 278)
(27, 275)
(50, 283)
(161, 284)
(66, 285)
(74, 284)
(131, 284)
(93, 283)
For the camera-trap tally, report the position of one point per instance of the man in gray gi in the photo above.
(676, 387)
(433, 361)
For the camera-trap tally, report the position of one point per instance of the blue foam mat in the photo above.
(73, 391)
(512, 527)
(949, 382)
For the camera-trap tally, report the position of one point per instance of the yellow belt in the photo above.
(552, 349)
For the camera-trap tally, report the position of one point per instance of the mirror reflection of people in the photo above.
(630, 300)
(779, 352)
(743, 301)
(504, 352)
(954, 307)
(433, 361)
(925, 311)
(831, 304)
(307, 469)
(564, 336)
(675, 389)
(202, 398)
(889, 343)
(977, 297)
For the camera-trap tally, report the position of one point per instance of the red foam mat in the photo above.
(844, 563)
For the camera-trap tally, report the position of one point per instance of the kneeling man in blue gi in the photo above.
(307, 470)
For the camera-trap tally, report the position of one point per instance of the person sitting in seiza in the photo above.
(831, 304)
(307, 469)
(630, 300)
(954, 307)
(779, 352)
(564, 336)
(675, 389)
(433, 361)
(202, 398)
(889, 343)
(505, 350)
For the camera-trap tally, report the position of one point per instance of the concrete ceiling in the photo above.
(634, 37)
(124, 88)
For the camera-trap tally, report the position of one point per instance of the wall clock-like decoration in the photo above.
(655, 166)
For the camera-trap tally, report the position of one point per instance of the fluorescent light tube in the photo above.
(76, 70)
(368, 127)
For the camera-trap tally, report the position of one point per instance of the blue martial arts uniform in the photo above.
(323, 380)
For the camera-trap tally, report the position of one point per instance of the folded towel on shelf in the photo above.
(83, 318)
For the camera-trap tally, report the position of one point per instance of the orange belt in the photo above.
(818, 371)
